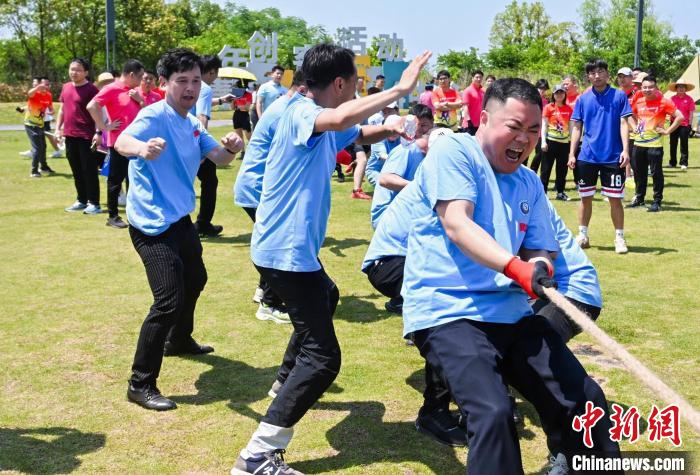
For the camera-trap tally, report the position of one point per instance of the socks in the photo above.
(583, 230)
(267, 437)
(620, 233)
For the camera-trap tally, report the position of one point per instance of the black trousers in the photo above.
(38, 143)
(311, 299)
(269, 297)
(537, 159)
(680, 134)
(207, 196)
(560, 322)
(176, 275)
(118, 172)
(83, 164)
(476, 359)
(557, 155)
(652, 158)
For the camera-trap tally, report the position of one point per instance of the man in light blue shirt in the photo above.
(290, 228)
(471, 263)
(248, 188)
(270, 91)
(165, 145)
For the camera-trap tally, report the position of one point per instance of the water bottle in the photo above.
(410, 126)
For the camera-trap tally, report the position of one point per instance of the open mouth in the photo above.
(513, 154)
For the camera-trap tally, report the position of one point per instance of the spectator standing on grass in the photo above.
(241, 117)
(555, 141)
(542, 86)
(426, 97)
(472, 100)
(270, 91)
(48, 118)
(165, 145)
(122, 102)
(147, 89)
(75, 124)
(446, 102)
(39, 101)
(686, 105)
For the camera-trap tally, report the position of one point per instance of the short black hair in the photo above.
(421, 111)
(379, 76)
(81, 61)
(443, 72)
(649, 78)
(277, 67)
(491, 76)
(594, 64)
(178, 60)
(325, 62)
(503, 89)
(429, 86)
(210, 62)
(638, 69)
(298, 78)
(542, 84)
(373, 90)
(132, 66)
(477, 71)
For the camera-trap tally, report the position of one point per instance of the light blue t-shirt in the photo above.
(391, 236)
(161, 191)
(248, 186)
(575, 275)
(402, 161)
(377, 157)
(292, 216)
(441, 284)
(203, 105)
(269, 92)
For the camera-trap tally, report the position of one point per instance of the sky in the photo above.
(468, 25)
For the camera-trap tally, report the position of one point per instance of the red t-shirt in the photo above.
(571, 100)
(686, 105)
(37, 105)
(77, 121)
(245, 100)
(558, 118)
(159, 91)
(473, 97)
(151, 97)
(448, 117)
(119, 106)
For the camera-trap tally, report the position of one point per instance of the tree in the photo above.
(460, 64)
(31, 22)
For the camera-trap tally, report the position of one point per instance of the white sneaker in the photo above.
(684, 167)
(57, 154)
(121, 201)
(77, 206)
(620, 245)
(26, 153)
(270, 313)
(92, 209)
(258, 295)
(276, 386)
(558, 465)
(582, 240)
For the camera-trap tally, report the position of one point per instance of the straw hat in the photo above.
(640, 77)
(688, 87)
(104, 78)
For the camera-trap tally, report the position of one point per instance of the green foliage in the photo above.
(460, 64)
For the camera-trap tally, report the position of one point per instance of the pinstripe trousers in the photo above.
(176, 275)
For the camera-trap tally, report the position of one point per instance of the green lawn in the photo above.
(76, 294)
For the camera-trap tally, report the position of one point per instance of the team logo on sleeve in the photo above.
(524, 207)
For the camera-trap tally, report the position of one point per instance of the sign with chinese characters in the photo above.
(353, 38)
(390, 48)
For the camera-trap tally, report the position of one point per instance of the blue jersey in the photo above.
(248, 186)
(295, 202)
(575, 275)
(203, 105)
(402, 161)
(600, 113)
(161, 191)
(441, 284)
(269, 93)
(380, 151)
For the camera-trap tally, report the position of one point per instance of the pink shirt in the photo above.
(119, 106)
(151, 97)
(473, 97)
(426, 98)
(686, 105)
(77, 121)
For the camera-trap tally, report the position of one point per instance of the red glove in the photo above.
(533, 277)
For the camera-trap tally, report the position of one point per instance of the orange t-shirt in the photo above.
(650, 115)
(37, 105)
(558, 118)
(571, 100)
(448, 117)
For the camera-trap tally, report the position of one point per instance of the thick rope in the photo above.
(663, 391)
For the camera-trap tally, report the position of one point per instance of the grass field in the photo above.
(76, 294)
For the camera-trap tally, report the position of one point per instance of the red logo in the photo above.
(523, 227)
(196, 133)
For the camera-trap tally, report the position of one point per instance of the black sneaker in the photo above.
(636, 203)
(518, 418)
(211, 230)
(655, 207)
(341, 178)
(395, 305)
(268, 463)
(443, 426)
(149, 397)
(46, 170)
(116, 222)
(562, 197)
(35, 173)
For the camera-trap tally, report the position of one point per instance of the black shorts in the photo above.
(241, 120)
(47, 126)
(612, 179)
(386, 275)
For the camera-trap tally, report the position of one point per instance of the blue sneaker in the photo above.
(77, 206)
(92, 209)
(269, 463)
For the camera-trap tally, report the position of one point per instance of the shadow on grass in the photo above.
(363, 438)
(46, 450)
(640, 249)
(240, 239)
(337, 246)
(357, 309)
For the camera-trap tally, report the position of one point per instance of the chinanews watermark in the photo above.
(662, 424)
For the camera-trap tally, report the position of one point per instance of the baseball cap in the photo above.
(625, 71)
(392, 119)
(438, 132)
(558, 87)
(393, 105)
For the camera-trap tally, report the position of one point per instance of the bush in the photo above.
(10, 93)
